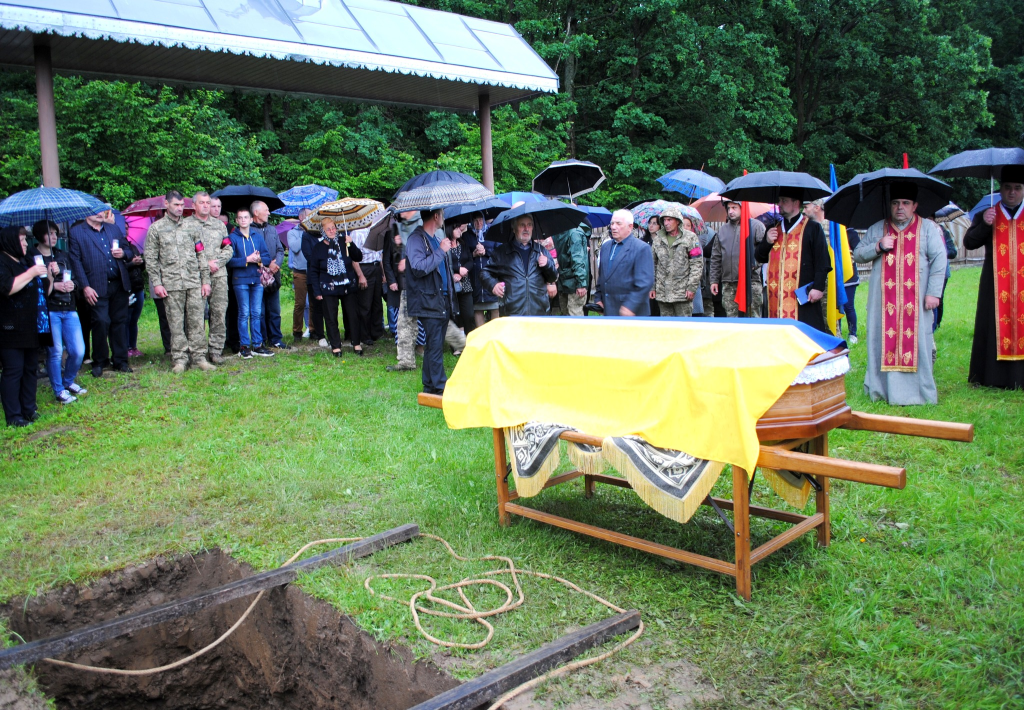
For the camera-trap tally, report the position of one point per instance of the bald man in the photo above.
(625, 276)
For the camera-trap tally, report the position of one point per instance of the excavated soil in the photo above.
(292, 652)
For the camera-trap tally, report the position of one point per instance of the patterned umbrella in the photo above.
(348, 213)
(304, 197)
(437, 176)
(438, 195)
(643, 213)
(53, 203)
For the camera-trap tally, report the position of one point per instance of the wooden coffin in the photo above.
(809, 409)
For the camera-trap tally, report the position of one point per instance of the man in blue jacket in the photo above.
(428, 282)
(626, 273)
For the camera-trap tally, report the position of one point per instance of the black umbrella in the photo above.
(984, 163)
(549, 218)
(236, 197)
(865, 199)
(436, 176)
(489, 208)
(765, 187)
(568, 178)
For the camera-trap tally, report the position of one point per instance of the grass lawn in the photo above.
(917, 603)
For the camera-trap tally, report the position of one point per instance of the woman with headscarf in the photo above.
(24, 286)
(332, 279)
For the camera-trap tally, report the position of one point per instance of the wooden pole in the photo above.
(821, 502)
(485, 141)
(741, 524)
(500, 473)
(47, 111)
(485, 688)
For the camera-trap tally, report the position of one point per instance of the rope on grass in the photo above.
(205, 649)
(466, 611)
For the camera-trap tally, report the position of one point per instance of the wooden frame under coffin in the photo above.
(805, 413)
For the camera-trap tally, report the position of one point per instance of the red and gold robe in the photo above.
(1008, 273)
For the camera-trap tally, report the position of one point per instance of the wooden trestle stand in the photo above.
(804, 413)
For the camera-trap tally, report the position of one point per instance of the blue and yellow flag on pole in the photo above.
(838, 244)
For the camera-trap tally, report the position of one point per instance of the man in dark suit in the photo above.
(626, 273)
(99, 266)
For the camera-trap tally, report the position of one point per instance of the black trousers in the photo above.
(348, 303)
(109, 323)
(434, 377)
(466, 318)
(165, 327)
(18, 382)
(371, 304)
(316, 317)
(85, 318)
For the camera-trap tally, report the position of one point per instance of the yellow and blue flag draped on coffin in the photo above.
(680, 384)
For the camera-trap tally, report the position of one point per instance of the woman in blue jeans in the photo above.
(250, 250)
(65, 327)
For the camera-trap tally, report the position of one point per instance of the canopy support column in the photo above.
(47, 112)
(485, 141)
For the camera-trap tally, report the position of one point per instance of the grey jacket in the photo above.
(725, 257)
(296, 259)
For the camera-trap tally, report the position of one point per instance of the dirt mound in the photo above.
(293, 651)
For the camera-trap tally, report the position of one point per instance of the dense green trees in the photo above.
(646, 87)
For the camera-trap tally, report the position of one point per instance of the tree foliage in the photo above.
(646, 87)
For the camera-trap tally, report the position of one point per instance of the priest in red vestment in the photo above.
(997, 356)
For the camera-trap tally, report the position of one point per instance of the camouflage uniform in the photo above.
(174, 263)
(729, 300)
(677, 269)
(217, 248)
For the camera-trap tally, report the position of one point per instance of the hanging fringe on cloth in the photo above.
(792, 487)
(672, 482)
(586, 458)
(534, 448)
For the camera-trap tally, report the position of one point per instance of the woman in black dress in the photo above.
(332, 279)
(24, 286)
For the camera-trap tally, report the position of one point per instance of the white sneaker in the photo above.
(66, 397)
(323, 343)
(305, 333)
(852, 340)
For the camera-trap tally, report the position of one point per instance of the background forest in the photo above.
(647, 86)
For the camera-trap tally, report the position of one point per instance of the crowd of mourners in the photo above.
(71, 296)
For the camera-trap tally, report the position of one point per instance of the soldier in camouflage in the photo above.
(180, 273)
(202, 227)
(678, 265)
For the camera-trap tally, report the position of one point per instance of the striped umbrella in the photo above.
(302, 197)
(643, 213)
(348, 213)
(438, 195)
(57, 204)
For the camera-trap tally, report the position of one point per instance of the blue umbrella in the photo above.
(514, 197)
(990, 200)
(597, 216)
(490, 207)
(57, 204)
(765, 186)
(691, 183)
(304, 197)
(835, 239)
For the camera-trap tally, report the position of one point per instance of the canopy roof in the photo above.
(371, 50)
